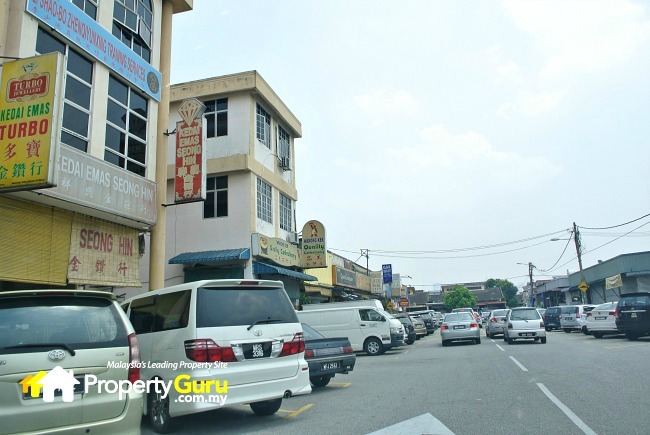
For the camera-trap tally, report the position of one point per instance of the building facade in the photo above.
(246, 227)
(85, 228)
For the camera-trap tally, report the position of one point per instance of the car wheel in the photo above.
(585, 331)
(511, 340)
(597, 334)
(320, 381)
(548, 329)
(631, 336)
(505, 337)
(373, 347)
(478, 340)
(543, 339)
(267, 407)
(567, 330)
(158, 412)
(445, 343)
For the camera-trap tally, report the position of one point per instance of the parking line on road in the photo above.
(340, 384)
(625, 345)
(518, 363)
(295, 413)
(502, 349)
(574, 418)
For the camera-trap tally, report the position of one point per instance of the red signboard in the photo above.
(190, 162)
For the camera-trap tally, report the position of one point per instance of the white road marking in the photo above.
(519, 364)
(574, 418)
(422, 424)
(502, 349)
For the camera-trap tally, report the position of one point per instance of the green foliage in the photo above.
(508, 289)
(459, 297)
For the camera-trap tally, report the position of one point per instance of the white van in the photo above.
(216, 343)
(373, 303)
(369, 329)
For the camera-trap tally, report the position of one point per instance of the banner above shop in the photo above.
(104, 254)
(190, 177)
(314, 245)
(278, 250)
(613, 282)
(73, 24)
(31, 92)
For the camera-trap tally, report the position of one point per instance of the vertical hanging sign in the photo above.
(31, 92)
(314, 246)
(189, 179)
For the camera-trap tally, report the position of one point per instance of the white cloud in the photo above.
(531, 103)
(382, 105)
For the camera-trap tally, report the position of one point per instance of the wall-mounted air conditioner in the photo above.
(292, 237)
(284, 163)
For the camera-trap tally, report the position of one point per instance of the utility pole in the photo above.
(365, 253)
(530, 275)
(576, 239)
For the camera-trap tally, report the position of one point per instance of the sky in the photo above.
(452, 140)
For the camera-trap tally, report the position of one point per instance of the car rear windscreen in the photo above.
(524, 315)
(243, 306)
(81, 322)
(634, 301)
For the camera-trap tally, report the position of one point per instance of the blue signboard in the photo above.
(73, 24)
(387, 273)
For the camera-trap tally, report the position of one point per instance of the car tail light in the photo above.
(206, 350)
(134, 358)
(541, 324)
(612, 313)
(473, 325)
(294, 346)
(509, 325)
(576, 311)
(248, 283)
(309, 353)
(444, 327)
(617, 313)
(493, 320)
(347, 349)
(589, 314)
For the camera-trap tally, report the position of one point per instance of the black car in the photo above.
(326, 356)
(429, 323)
(552, 318)
(633, 315)
(405, 320)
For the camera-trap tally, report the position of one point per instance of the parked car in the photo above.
(542, 311)
(524, 323)
(419, 326)
(460, 326)
(485, 316)
(326, 356)
(583, 318)
(243, 332)
(496, 323)
(408, 327)
(633, 314)
(428, 321)
(602, 320)
(74, 334)
(574, 317)
(552, 318)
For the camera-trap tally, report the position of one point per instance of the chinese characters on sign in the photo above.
(30, 101)
(189, 180)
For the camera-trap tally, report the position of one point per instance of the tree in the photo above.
(508, 289)
(459, 297)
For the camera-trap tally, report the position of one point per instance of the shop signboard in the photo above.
(363, 282)
(190, 177)
(103, 253)
(30, 121)
(73, 24)
(314, 246)
(376, 285)
(345, 278)
(277, 250)
(387, 272)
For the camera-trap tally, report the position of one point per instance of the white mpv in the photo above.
(218, 343)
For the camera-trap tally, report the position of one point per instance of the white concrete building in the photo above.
(246, 227)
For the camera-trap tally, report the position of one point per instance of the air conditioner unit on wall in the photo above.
(292, 237)
(284, 163)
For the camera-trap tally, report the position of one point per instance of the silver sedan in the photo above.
(460, 327)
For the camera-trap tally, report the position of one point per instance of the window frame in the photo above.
(263, 126)
(216, 119)
(264, 201)
(217, 192)
(286, 213)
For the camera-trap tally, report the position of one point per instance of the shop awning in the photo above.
(211, 256)
(323, 291)
(268, 269)
(639, 273)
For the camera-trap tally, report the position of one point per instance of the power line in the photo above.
(561, 255)
(616, 226)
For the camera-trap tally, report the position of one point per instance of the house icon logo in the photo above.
(56, 379)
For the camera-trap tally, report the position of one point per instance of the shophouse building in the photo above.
(85, 228)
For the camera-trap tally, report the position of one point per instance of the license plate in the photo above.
(528, 334)
(568, 318)
(632, 314)
(459, 327)
(78, 389)
(331, 365)
(257, 350)
(601, 318)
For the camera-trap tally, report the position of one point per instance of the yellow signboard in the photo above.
(30, 120)
(583, 286)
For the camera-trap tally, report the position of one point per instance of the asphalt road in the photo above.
(573, 384)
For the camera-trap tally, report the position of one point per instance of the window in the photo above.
(285, 213)
(126, 128)
(172, 310)
(216, 115)
(264, 209)
(216, 200)
(132, 21)
(88, 6)
(78, 91)
(263, 126)
(283, 145)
